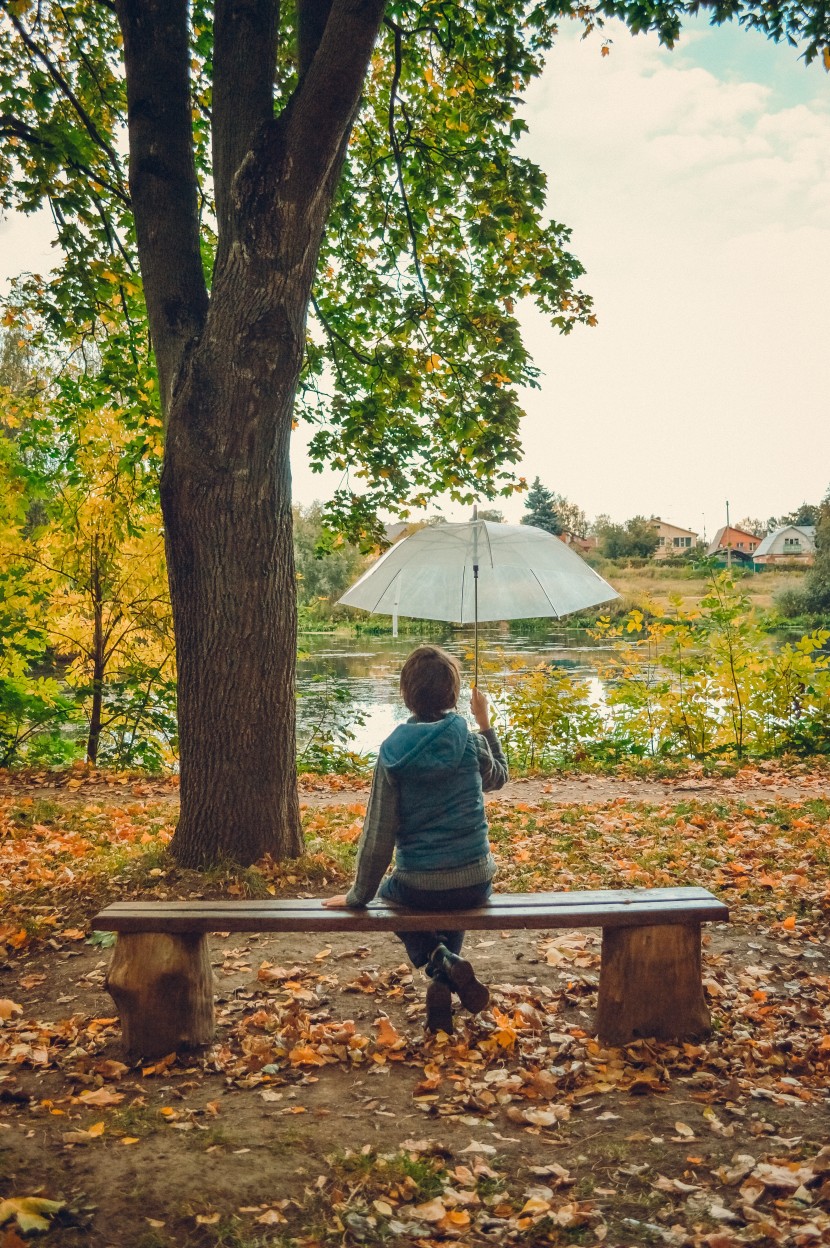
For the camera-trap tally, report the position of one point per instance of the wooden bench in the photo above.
(650, 976)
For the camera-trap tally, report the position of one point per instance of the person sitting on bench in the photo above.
(427, 805)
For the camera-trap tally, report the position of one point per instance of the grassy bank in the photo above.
(654, 587)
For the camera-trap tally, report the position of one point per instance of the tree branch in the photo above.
(245, 34)
(396, 152)
(321, 112)
(65, 89)
(163, 182)
(333, 336)
(312, 16)
(18, 129)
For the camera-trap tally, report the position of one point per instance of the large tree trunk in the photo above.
(226, 497)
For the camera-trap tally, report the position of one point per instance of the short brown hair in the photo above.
(430, 682)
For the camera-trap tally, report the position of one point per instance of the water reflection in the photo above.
(368, 667)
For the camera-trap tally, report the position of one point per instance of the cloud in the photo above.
(699, 203)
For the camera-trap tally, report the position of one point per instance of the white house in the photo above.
(671, 539)
(790, 543)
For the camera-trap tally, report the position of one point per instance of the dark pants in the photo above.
(419, 945)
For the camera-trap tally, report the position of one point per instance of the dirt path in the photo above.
(753, 785)
(767, 782)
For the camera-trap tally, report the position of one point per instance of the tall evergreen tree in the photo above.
(540, 509)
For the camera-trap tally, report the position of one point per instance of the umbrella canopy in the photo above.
(477, 571)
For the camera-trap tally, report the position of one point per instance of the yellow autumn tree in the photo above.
(98, 558)
(33, 707)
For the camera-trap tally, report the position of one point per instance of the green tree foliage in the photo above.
(32, 706)
(541, 509)
(699, 685)
(816, 593)
(636, 539)
(553, 512)
(806, 514)
(326, 564)
(805, 27)
(709, 682)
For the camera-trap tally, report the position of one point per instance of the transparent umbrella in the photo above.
(478, 571)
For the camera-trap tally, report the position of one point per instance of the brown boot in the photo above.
(474, 995)
(439, 1005)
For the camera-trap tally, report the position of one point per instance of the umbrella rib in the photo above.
(545, 592)
(387, 585)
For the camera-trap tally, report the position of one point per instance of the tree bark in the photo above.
(98, 669)
(231, 567)
(162, 986)
(650, 984)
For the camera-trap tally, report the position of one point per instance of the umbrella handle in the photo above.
(475, 624)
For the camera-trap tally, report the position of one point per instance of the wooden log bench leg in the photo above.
(650, 984)
(162, 986)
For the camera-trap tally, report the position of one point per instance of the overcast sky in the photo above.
(697, 186)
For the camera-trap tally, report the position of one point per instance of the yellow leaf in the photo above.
(535, 1204)
(29, 1211)
(7, 1008)
(826, 58)
(97, 1128)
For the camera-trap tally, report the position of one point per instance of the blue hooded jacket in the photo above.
(436, 766)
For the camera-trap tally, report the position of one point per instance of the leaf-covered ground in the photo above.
(323, 1115)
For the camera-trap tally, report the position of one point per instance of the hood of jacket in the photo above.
(420, 746)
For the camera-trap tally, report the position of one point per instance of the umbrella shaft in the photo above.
(475, 613)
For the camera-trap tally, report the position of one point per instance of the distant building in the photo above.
(735, 541)
(581, 544)
(672, 540)
(790, 543)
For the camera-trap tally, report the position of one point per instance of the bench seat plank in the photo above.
(588, 908)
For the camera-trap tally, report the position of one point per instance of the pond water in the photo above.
(365, 669)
